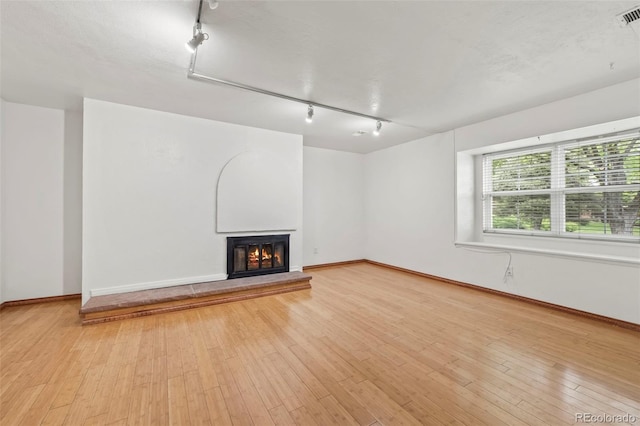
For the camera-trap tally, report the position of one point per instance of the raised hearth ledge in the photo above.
(155, 285)
(146, 302)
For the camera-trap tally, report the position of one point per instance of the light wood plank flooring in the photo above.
(367, 345)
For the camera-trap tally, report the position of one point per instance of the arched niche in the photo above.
(257, 191)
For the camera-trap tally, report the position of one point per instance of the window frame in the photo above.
(557, 190)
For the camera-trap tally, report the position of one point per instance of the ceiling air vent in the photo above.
(629, 16)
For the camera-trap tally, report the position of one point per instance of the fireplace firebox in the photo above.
(257, 255)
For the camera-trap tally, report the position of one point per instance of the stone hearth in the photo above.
(148, 302)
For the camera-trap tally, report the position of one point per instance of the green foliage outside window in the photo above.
(595, 185)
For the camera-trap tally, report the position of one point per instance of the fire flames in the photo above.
(266, 257)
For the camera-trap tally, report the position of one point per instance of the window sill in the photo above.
(634, 261)
(567, 236)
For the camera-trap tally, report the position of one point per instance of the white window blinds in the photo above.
(583, 188)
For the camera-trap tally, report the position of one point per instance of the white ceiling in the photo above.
(428, 66)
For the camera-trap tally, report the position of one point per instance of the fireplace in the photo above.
(257, 255)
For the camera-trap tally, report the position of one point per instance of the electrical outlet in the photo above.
(509, 271)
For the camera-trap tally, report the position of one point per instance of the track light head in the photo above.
(376, 132)
(309, 118)
(193, 44)
(197, 39)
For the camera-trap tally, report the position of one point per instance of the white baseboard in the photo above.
(156, 284)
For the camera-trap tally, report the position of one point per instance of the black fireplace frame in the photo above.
(259, 240)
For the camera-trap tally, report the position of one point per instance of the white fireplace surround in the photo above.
(151, 201)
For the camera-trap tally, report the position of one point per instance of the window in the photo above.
(586, 188)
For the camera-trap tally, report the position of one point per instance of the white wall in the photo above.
(2, 180)
(32, 200)
(409, 205)
(410, 212)
(40, 202)
(149, 195)
(333, 206)
(72, 198)
(600, 106)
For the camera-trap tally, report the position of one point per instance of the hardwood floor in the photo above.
(367, 345)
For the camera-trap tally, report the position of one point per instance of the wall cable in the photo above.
(505, 277)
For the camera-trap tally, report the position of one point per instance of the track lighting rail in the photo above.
(200, 77)
(192, 74)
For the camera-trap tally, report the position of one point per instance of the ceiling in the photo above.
(428, 66)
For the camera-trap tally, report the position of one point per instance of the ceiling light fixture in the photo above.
(376, 132)
(196, 41)
(198, 35)
(309, 118)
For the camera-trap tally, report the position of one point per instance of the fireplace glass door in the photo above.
(257, 255)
